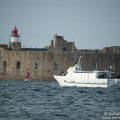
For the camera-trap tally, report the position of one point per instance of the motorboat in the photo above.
(74, 76)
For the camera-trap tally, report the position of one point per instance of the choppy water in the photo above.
(37, 100)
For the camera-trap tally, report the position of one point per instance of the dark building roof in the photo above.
(36, 49)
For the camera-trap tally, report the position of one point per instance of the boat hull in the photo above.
(64, 81)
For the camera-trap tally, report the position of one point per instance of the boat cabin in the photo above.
(104, 74)
(77, 68)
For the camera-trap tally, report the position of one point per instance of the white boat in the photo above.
(74, 76)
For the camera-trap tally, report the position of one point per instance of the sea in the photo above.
(38, 100)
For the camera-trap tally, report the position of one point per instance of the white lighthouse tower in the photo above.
(15, 40)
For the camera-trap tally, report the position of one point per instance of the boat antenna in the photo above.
(81, 56)
(79, 60)
(73, 52)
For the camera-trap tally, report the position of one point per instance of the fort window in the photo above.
(94, 66)
(4, 63)
(59, 37)
(51, 42)
(35, 65)
(18, 65)
(65, 49)
(110, 51)
(55, 65)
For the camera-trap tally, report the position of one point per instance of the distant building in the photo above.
(43, 63)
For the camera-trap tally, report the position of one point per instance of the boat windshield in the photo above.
(64, 73)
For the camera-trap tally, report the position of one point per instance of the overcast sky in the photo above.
(91, 24)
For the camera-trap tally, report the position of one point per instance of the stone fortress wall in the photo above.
(60, 55)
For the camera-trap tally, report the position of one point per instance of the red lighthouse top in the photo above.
(14, 32)
(15, 29)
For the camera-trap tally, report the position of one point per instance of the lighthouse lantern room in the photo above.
(15, 39)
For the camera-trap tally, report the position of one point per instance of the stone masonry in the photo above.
(45, 60)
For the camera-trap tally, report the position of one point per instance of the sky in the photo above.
(91, 24)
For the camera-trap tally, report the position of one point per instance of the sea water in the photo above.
(37, 100)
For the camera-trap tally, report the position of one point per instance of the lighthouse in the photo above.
(15, 39)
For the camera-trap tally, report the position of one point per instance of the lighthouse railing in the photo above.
(14, 36)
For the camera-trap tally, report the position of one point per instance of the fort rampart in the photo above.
(43, 65)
